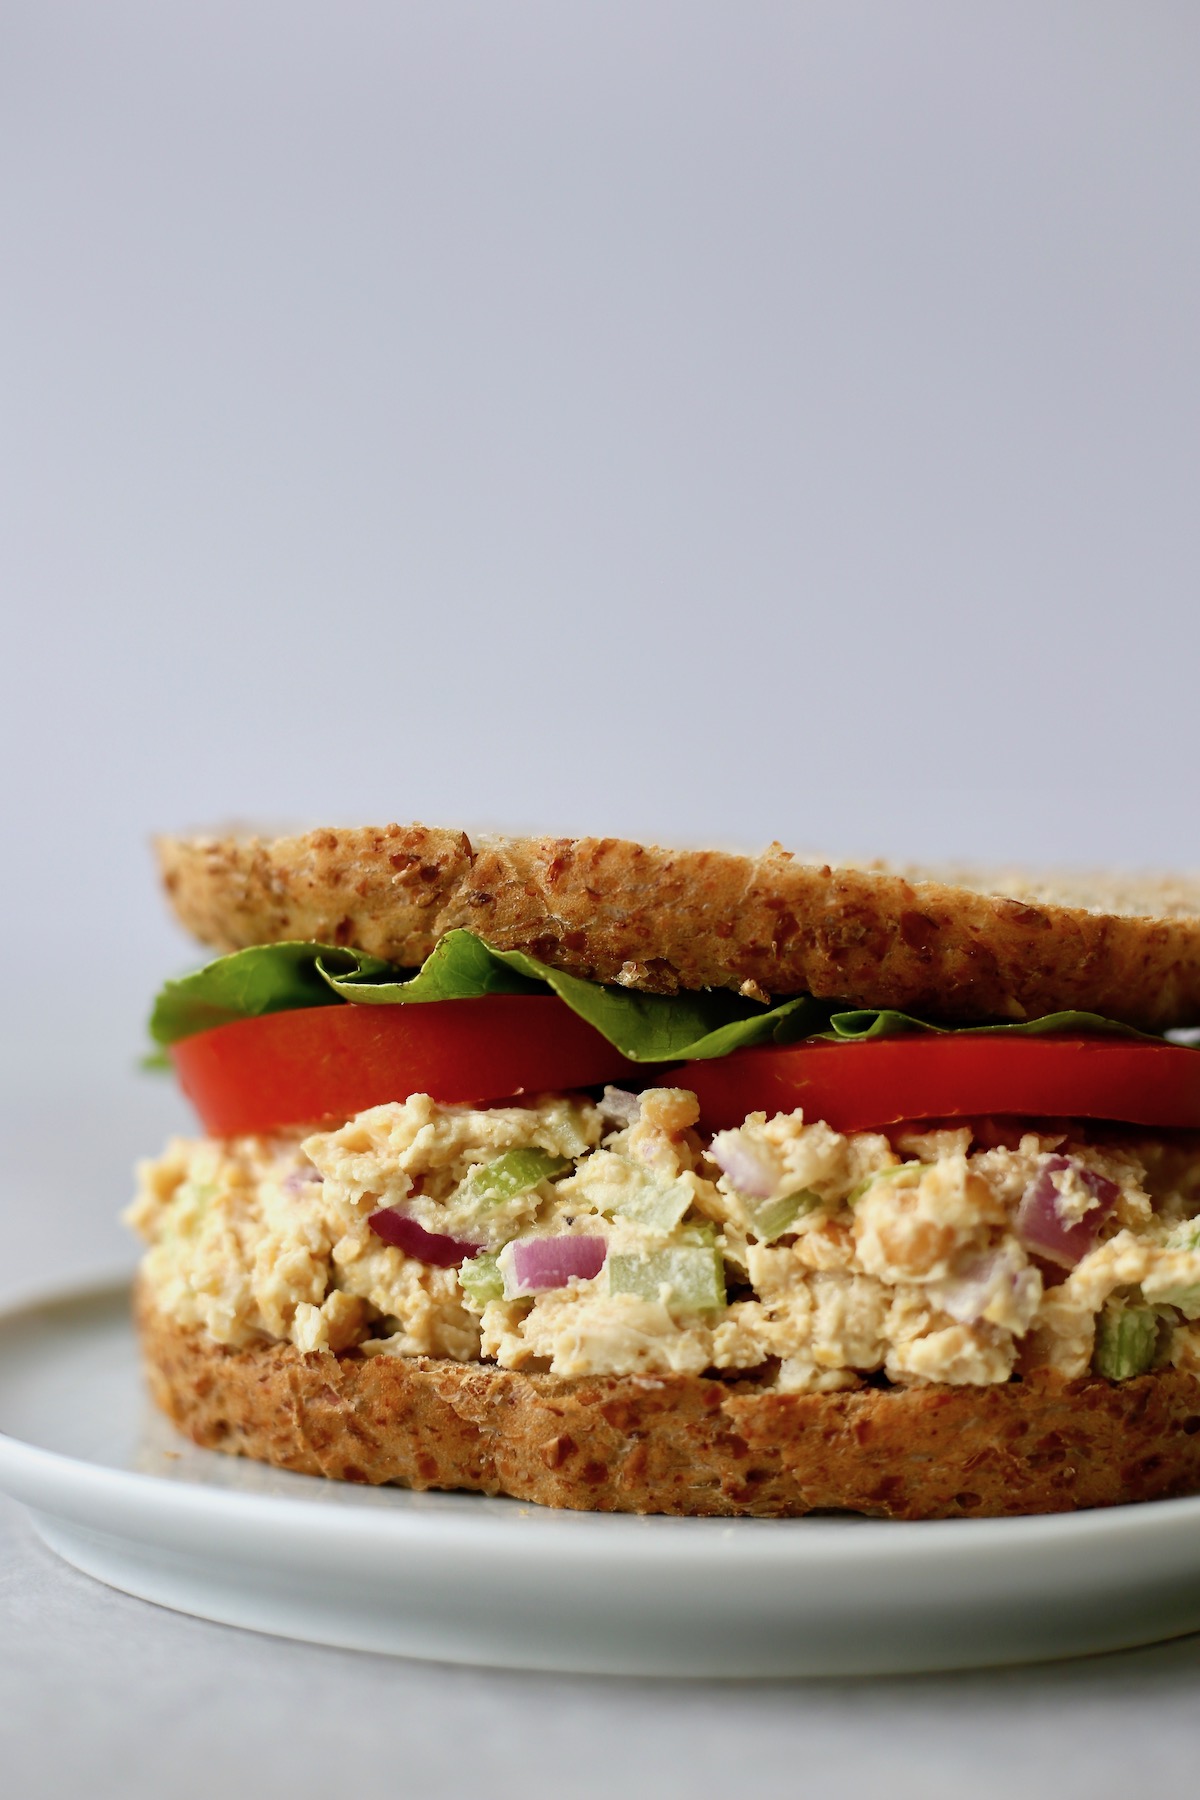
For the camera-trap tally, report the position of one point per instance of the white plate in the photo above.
(465, 1579)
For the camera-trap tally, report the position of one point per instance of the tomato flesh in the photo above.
(329, 1062)
(859, 1087)
(325, 1062)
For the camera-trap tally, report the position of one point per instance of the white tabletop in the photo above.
(101, 1694)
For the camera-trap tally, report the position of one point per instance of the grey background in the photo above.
(699, 421)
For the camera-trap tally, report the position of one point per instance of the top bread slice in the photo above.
(954, 947)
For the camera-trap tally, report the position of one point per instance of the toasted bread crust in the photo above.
(682, 1444)
(661, 920)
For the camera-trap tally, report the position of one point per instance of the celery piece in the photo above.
(771, 1220)
(516, 1172)
(906, 1173)
(1185, 1298)
(480, 1280)
(1126, 1340)
(660, 1208)
(197, 1193)
(703, 1233)
(694, 1276)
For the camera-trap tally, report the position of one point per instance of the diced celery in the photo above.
(703, 1233)
(907, 1174)
(771, 1220)
(1126, 1340)
(197, 1193)
(1185, 1297)
(659, 1207)
(693, 1275)
(480, 1280)
(516, 1172)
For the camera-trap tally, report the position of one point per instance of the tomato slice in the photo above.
(856, 1087)
(323, 1062)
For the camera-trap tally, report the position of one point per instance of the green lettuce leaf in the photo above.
(269, 978)
(870, 1022)
(649, 1028)
(645, 1028)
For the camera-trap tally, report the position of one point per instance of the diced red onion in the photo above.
(301, 1178)
(435, 1247)
(1041, 1223)
(967, 1294)
(540, 1264)
(750, 1174)
(619, 1107)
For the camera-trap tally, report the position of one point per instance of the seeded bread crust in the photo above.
(682, 1444)
(661, 920)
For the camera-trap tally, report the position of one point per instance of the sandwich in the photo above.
(618, 1178)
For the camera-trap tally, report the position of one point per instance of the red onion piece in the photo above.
(619, 1107)
(968, 1293)
(1041, 1224)
(750, 1174)
(403, 1233)
(965, 1295)
(539, 1264)
(300, 1179)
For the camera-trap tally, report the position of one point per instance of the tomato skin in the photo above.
(860, 1087)
(329, 1062)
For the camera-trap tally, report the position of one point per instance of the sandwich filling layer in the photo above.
(590, 1239)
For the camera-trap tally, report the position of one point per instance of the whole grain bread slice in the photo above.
(682, 1444)
(958, 948)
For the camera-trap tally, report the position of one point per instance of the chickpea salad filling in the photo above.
(610, 1238)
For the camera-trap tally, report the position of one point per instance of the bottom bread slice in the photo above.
(684, 1443)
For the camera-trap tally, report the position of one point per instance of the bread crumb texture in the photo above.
(955, 945)
(684, 1444)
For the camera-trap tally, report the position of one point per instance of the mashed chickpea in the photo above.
(855, 1258)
